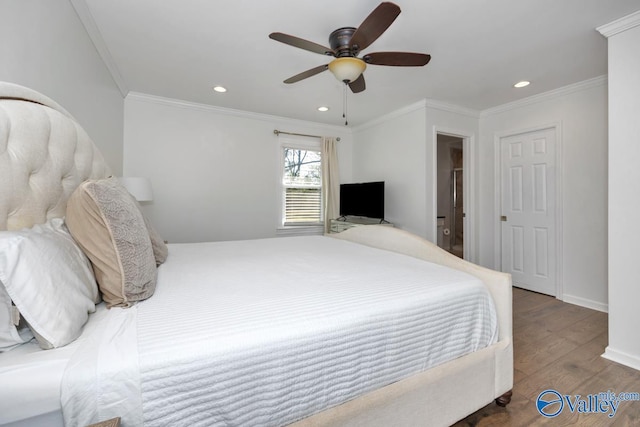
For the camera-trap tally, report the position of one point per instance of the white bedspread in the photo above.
(266, 332)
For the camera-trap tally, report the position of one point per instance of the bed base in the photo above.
(505, 399)
(439, 396)
(446, 393)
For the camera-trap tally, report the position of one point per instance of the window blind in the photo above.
(303, 205)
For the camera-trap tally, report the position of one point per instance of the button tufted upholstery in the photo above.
(44, 156)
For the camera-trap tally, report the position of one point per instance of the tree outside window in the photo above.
(302, 183)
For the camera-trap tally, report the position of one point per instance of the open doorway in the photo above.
(450, 194)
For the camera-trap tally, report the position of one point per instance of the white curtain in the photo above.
(330, 181)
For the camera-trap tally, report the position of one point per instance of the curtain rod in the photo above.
(278, 132)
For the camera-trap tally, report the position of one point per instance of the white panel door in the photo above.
(528, 209)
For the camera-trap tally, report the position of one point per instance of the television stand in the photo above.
(345, 223)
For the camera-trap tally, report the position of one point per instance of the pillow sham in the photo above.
(160, 250)
(49, 280)
(108, 225)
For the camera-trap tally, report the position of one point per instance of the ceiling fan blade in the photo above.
(374, 25)
(306, 74)
(302, 44)
(358, 85)
(397, 59)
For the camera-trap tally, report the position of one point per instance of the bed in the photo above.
(373, 326)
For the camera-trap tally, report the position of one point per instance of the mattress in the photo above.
(31, 377)
(266, 332)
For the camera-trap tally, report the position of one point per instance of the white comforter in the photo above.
(266, 332)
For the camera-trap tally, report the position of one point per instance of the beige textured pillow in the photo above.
(160, 250)
(107, 224)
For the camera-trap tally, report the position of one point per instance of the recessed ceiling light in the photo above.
(219, 89)
(522, 84)
(323, 108)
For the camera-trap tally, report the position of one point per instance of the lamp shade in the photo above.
(139, 187)
(347, 69)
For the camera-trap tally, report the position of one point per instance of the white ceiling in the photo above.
(182, 48)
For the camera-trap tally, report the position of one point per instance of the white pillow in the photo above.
(49, 280)
(12, 333)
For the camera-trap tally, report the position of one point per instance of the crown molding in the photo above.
(451, 108)
(546, 96)
(620, 25)
(420, 105)
(83, 12)
(195, 106)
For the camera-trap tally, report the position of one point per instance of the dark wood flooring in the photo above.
(559, 346)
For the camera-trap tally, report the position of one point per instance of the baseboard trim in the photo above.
(622, 358)
(587, 303)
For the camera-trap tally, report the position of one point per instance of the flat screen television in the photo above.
(362, 199)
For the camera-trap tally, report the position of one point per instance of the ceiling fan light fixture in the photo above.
(347, 69)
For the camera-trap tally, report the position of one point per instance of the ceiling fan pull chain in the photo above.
(344, 103)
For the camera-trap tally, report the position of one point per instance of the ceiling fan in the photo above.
(348, 42)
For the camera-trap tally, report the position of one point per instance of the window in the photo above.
(301, 185)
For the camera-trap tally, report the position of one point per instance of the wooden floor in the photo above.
(558, 346)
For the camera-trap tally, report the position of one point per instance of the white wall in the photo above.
(214, 171)
(44, 46)
(624, 178)
(581, 112)
(400, 150)
(393, 150)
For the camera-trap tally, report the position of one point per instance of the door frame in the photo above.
(498, 136)
(468, 183)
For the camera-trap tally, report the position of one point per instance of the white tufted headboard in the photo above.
(44, 156)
